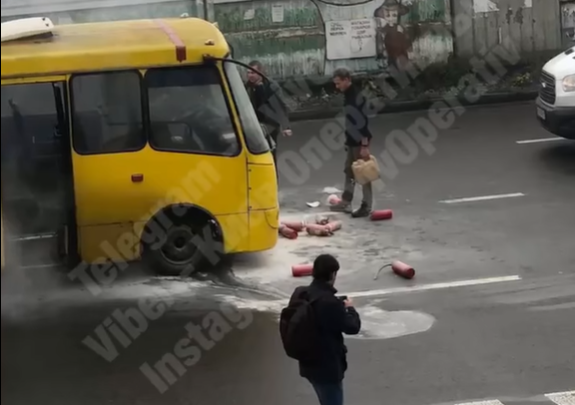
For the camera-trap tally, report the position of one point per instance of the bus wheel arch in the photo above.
(177, 251)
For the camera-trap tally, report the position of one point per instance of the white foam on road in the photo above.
(277, 305)
(436, 286)
(540, 140)
(482, 198)
(562, 398)
(377, 323)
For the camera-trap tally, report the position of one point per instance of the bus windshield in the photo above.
(189, 111)
(255, 138)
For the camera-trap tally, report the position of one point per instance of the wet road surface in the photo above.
(486, 221)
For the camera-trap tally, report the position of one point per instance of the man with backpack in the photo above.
(312, 328)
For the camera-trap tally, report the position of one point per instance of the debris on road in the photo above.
(318, 230)
(288, 232)
(313, 204)
(381, 215)
(334, 226)
(333, 199)
(401, 269)
(302, 270)
(321, 226)
(297, 226)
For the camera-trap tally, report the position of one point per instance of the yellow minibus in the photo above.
(130, 140)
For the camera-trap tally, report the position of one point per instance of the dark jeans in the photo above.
(328, 393)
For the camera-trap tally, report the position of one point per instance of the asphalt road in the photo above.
(488, 316)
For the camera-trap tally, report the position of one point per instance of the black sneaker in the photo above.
(361, 212)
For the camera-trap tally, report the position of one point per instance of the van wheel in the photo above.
(179, 255)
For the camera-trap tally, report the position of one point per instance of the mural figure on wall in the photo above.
(568, 22)
(392, 41)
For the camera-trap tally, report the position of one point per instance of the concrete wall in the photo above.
(534, 26)
(313, 37)
(292, 37)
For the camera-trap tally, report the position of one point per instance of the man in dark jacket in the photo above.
(357, 139)
(335, 317)
(268, 102)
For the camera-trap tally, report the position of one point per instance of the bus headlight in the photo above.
(569, 83)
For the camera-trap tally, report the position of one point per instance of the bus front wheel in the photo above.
(188, 246)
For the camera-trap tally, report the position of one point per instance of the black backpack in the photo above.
(299, 330)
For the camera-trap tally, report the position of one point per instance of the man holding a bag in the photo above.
(357, 139)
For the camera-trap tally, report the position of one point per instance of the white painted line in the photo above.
(557, 307)
(492, 402)
(436, 286)
(562, 398)
(482, 198)
(528, 141)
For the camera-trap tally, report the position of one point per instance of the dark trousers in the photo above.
(328, 393)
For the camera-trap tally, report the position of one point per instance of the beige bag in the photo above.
(365, 171)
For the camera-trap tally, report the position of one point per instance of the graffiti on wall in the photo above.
(313, 38)
(304, 37)
(392, 41)
(380, 36)
(377, 34)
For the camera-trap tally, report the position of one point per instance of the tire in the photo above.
(179, 255)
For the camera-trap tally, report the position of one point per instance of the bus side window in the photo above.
(107, 113)
(189, 112)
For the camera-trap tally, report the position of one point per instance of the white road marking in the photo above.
(557, 307)
(277, 305)
(436, 286)
(562, 398)
(528, 141)
(493, 402)
(482, 198)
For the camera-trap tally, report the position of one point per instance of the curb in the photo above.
(323, 113)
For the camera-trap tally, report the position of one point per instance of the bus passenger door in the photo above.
(38, 217)
(110, 168)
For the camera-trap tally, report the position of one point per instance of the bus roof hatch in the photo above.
(26, 28)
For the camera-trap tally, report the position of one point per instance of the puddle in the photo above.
(377, 324)
(380, 324)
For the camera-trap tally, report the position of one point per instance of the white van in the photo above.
(556, 101)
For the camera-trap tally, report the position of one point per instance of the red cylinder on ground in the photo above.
(381, 215)
(333, 199)
(333, 226)
(318, 230)
(287, 232)
(295, 225)
(302, 270)
(403, 270)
